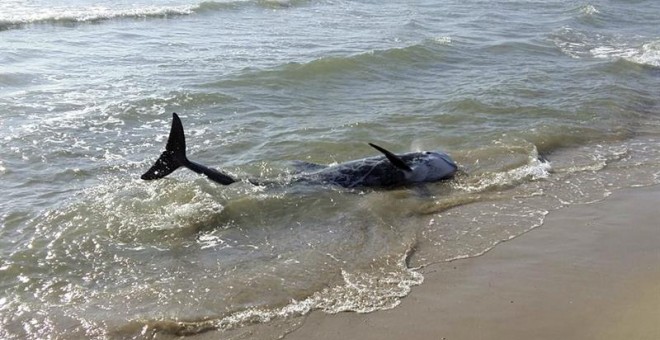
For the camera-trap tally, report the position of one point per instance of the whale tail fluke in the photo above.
(174, 157)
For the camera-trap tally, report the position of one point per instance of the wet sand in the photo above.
(590, 272)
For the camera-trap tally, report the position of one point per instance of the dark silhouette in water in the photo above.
(387, 171)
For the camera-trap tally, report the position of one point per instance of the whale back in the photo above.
(380, 172)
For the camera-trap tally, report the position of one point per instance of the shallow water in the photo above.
(86, 94)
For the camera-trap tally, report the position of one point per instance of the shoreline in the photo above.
(591, 271)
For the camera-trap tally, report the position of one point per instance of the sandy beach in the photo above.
(590, 272)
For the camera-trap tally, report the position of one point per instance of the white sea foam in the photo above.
(535, 169)
(647, 54)
(581, 45)
(360, 292)
(589, 10)
(443, 40)
(21, 15)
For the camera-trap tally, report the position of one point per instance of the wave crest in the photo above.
(579, 44)
(66, 15)
(70, 15)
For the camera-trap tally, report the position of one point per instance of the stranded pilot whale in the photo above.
(386, 171)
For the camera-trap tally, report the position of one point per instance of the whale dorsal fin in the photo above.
(394, 159)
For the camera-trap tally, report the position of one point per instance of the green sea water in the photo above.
(543, 104)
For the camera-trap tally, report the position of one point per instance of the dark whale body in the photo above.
(386, 171)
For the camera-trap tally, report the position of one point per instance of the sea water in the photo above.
(543, 104)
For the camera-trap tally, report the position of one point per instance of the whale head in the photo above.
(430, 166)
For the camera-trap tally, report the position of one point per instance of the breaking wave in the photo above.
(359, 292)
(67, 15)
(578, 44)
